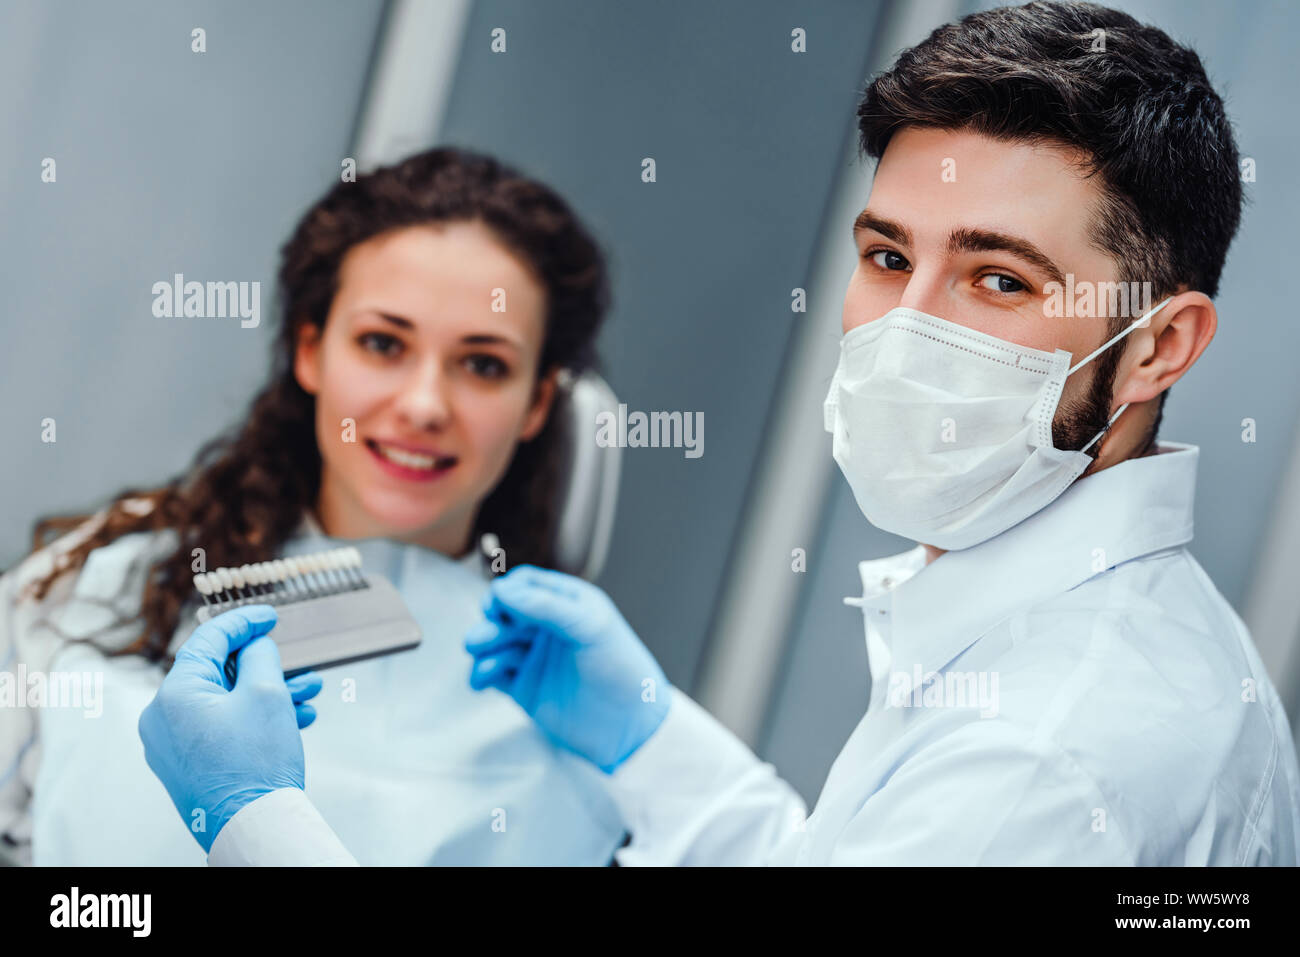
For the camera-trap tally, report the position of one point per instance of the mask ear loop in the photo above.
(1106, 345)
(1114, 339)
(1109, 423)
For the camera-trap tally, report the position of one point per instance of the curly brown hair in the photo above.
(246, 491)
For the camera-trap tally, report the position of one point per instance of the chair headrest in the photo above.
(588, 481)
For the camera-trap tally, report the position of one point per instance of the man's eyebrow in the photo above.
(965, 240)
(983, 240)
(891, 230)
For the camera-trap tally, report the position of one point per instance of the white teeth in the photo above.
(408, 459)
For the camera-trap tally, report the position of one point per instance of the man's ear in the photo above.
(1162, 352)
(543, 402)
(306, 357)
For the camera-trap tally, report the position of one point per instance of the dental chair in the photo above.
(589, 481)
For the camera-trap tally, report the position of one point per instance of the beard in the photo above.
(1077, 421)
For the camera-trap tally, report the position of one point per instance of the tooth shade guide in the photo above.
(283, 580)
(329, 612)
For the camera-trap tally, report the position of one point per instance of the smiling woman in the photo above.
(413, 408)
(426, 379)
(424, 243)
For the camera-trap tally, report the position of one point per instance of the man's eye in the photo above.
(888, 259)
(489, 367)
(380, 343)
(1003, 283)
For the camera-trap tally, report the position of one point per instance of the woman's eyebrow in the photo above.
(487, 339)
(396, 320)
(476, 339)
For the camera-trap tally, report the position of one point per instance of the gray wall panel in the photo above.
(168, 161)
(746, 136)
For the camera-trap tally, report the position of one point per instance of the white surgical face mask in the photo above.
(945, 433)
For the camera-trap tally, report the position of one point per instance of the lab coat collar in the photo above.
(935, 612)
(473, 560)
(309, 527)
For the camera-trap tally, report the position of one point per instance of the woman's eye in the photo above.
(1004, 284)
(888, 259)
(489, 367)
(380, 343)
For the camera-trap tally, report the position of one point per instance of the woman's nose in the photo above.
(424, 400)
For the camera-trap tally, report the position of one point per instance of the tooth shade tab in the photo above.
(282, 581)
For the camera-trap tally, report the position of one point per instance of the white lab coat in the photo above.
(1132, 721)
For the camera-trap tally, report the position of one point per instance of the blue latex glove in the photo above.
(559, 647)
(216, 747)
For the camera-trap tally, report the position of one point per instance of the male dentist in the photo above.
(996, 401)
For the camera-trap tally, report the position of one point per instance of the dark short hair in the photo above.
(1143, 111)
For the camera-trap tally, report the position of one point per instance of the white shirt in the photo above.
(1115, 711)
(389, 732)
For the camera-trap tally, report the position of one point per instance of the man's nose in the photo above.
(925, 292)
(424, 400)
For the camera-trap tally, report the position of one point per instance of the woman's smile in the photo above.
(406, 462)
